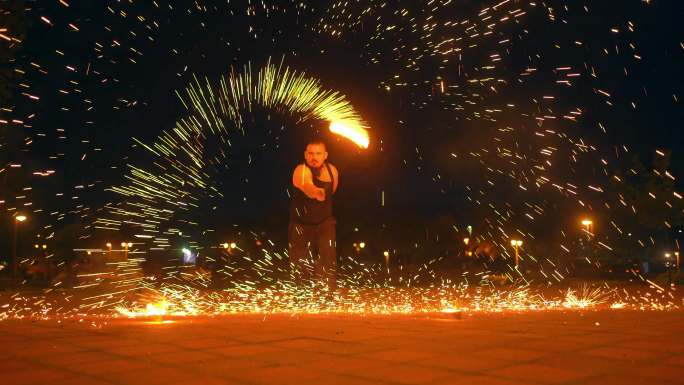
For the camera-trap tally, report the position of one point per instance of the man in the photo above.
(312, 224)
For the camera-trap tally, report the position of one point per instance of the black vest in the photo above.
(309, 211)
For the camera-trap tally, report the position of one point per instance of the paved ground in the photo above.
(606, 347)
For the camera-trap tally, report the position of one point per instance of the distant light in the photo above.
(20, 218)
(587, 222)
(233, 245)
(226, 245)
(188, 256)
(362, 245)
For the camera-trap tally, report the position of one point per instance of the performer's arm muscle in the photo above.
(335, 177)
(303, 180)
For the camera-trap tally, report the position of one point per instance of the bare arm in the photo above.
(335, 177)
(303, 180)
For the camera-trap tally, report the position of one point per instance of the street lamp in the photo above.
(668, 263)
(386, 254)
(676, 253)
(587, 224)
(17, 219)
(516, 243)
(126, 246)
(466, 241)
(358, 247)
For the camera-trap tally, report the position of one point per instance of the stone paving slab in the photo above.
(553, 347)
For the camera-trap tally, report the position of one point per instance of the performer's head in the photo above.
(315, 153)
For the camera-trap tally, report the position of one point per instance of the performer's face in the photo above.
(315, 155)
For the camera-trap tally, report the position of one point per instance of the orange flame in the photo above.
(352, 130)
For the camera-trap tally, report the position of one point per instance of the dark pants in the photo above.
(312, 252)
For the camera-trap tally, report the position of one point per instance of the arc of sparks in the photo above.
(278, 88)
(180, 177)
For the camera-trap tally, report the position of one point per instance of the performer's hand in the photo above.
(320, 195)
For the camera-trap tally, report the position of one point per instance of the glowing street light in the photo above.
(188, 256)
(676, 253)
(587, 223)
(466, 241)
(386, 254)
(516, 243)
(359, 246)
(126, 246)
(19, 218)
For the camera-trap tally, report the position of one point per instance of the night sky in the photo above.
(518, 117)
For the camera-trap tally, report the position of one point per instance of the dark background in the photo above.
(438, 157)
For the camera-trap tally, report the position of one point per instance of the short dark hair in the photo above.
(316, 141)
